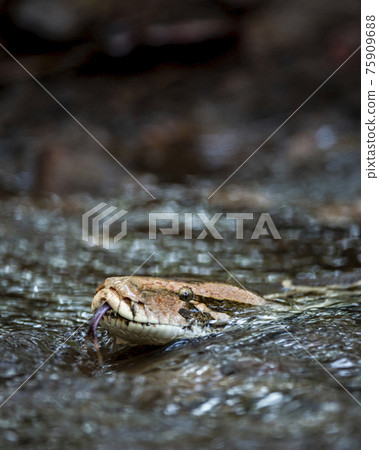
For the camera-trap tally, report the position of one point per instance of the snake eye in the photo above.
(185, 294)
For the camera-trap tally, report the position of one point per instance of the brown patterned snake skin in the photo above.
(155, 311)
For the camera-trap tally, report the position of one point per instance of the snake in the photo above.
(141, 310)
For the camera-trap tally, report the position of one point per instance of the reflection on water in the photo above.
(252, 386)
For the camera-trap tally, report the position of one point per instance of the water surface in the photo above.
(252, 386)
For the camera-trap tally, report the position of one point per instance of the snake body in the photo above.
(155, 311)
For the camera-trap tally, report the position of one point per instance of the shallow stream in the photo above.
(287, 383)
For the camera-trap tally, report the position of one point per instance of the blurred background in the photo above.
(176, 91)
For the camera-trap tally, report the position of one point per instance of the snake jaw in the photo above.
(133, 319)
(125, 305)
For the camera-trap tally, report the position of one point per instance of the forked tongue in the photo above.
(99, 313)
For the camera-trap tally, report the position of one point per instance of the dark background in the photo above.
(180, 92)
